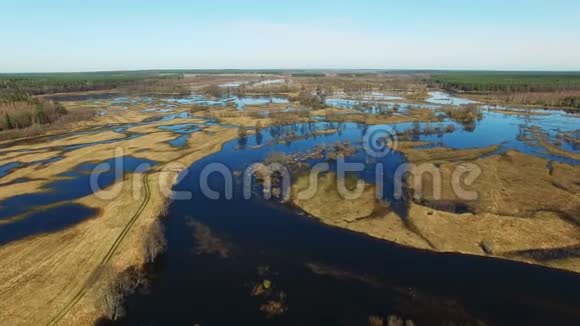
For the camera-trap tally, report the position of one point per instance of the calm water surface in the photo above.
(360, 276)
(369, 276)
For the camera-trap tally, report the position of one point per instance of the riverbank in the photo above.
(67, 275)
(511, 217)
(73, 252)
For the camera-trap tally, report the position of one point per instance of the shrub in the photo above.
(23, 114)
(467, 115)
(306, 98)
(154, 242)
(242, 132)
(117, 287)
(214, 90)
(258, 126)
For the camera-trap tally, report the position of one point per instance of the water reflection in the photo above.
(327, 275)
(73, 185)
(44, 221)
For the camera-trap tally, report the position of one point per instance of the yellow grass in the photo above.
(443, 154)
(515, 184)
(44, 273)
(553, 149)
(504, 194)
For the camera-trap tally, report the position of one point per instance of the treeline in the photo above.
(244, 90)
(266, 89)
(25, 113)
(364, 84)
(532, 88)
(22, 115)
(50, 83)
(308, 74)
(157, 86)
(503, 82)
(569, 99)
(356, 74)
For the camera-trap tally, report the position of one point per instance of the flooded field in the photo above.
(263, 261)
(290, 163)
(327, 275)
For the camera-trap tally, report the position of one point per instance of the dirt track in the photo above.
(108, 255)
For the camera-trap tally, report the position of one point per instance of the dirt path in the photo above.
(108, 255)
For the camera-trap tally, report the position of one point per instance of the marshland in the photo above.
(104, 219)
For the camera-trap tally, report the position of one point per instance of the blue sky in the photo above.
(412, 34)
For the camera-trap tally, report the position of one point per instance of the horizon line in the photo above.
(293, 70)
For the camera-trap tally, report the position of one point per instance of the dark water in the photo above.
(35, 217)
(357, 276)
(83, 97)
(5, 169)
(361, 276)
(44, 221)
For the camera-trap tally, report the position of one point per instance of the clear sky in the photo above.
(75, 35)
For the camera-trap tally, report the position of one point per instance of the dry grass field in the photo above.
(66, 276)
(513, 214)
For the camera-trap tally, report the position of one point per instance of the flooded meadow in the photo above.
(266, 261)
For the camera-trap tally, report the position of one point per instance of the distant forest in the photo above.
(555, 89)
(50, 83)
(22, 113)
(506, 81)
(559, 89)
